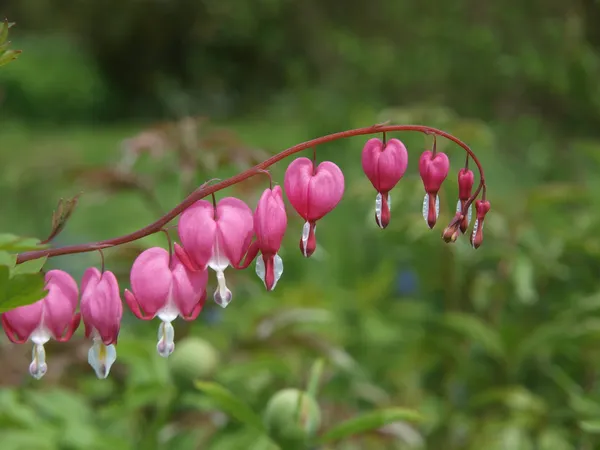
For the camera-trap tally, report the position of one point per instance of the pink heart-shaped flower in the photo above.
(313, 193)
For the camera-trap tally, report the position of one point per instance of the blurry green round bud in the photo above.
(292, 417)
(193, 358)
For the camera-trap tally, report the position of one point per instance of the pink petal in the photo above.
(197, 229)
(60, 303)
(151, 280)
(325, 190)
(23, 320)
(101, 306)
(235, 228)
(270, 220)
(296, 180)
(392, 165)
(189, 288)
(433, 170)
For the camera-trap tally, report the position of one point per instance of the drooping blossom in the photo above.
(313, 192)
(466, 179)
(101, 313)
(51, 317)
(384, 164)
(161, 286)
(270, 222)
(482, 207)
(433, 168)
(216, 237)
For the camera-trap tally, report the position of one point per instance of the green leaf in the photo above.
(19, 290)
(15, 244)
(368, 422)
(316, 372)
(477, 331)
(8, 259)
(231, 404)
(590, 426)
(9, 56)
(4, 26)
(33, 266)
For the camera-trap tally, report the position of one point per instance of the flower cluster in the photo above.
(216, 235)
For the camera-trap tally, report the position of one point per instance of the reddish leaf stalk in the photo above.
(206, 190)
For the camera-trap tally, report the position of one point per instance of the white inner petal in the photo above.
(378, 206)
(41, 334)
(425, 207)
(278, 269)
(475, 227)
(218, 261)
(169, 312)
(101, 358)
(260, 268)
(166, 339)
(222, 295)
(38, 366)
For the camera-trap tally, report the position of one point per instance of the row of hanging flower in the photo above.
(168, 284)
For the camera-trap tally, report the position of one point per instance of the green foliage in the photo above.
(23, 284)
(6, 55)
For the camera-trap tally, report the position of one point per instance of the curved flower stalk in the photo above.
(101, 313)
(384, 163)
(313, 192)
(161, 286)
(216, 237)
(270, 222)
(52, 317)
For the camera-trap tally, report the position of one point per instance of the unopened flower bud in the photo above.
(292, 418)
(452, 231)
(482, 207)
(465, 186)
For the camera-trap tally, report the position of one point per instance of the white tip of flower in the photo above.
(475, 228)
(379, 207)
(278, 266)
(166, 339)
(261, 270)
(222, 295)
(305, 235)
(38, 366)
(101, 358)
(469, 211)
(426, 207)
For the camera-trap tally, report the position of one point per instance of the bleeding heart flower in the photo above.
(482, 207)
(162, 286)
(434, 170)
(384, 164)
(101, 312)
(313, 193)
(270, 222)
(51, 317)
(466, 179)
(216, 237)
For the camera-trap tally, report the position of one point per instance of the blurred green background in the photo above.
(136, 102)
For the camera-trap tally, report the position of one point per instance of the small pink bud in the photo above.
(466, 179)
(51, 317)
(270, 222)
(313, 193)
(384, 165)
(162, 286)
(217, 238)
(101, 313)
(482, 207)
(434, 170)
